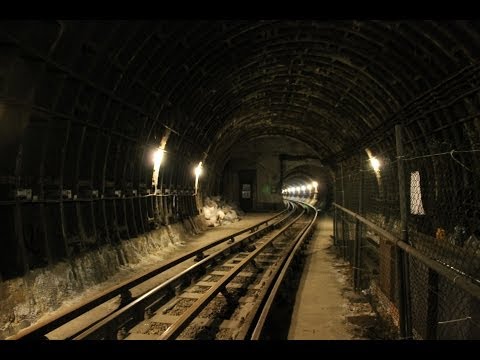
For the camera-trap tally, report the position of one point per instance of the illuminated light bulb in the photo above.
(375, 163)
(304, 187)
(157, 157)
(314, 184)
(198, 170)
(309, 187)
(157, 160)
(297, 189)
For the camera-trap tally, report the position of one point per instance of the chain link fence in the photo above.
(442, 222)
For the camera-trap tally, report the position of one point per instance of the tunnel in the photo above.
(114, 130)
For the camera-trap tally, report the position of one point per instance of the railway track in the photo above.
(225, 294)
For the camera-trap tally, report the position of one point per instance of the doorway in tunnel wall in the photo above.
(247, 184)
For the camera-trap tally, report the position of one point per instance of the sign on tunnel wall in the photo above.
(266, 189)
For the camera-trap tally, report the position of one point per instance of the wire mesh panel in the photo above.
(369, 263)
(444, 225)
(421, 298)
(458, 312)
(442, 222)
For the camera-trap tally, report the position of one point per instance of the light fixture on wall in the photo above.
(157, 157)
(375, 163)
(198, 171)
(157, 161)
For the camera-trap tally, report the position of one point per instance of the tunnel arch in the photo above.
(84, 103)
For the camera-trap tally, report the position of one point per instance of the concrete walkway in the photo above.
(321, 308)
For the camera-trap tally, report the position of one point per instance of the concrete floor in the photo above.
(322, 309)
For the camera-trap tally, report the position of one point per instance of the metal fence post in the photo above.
(344, 241)
(403, 286)
(358, 234)
(335, 240)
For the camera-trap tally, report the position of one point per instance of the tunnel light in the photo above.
(198, 171)
(297, 189)
(291, 190)
(375, 163)
(303, 188)
(157, 161)
(315, 185)
(157, 158)
(309, 187)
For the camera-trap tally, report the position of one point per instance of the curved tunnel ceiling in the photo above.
(217, 83)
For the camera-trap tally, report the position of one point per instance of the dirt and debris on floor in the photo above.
(218, 211)
(365, 318)
(366, 321)
(326, 307)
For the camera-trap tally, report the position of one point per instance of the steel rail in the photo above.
(264, 308)
(185, 319)
(140, 306)
(39, 330)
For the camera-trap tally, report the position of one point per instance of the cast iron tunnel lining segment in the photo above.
(83, 103)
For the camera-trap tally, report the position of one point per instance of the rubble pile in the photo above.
(218, 212)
